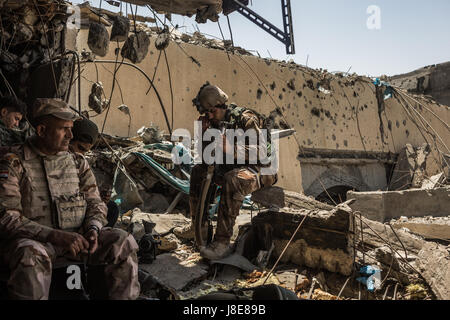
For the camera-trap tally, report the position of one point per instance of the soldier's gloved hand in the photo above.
(92, 237)
(71, 241)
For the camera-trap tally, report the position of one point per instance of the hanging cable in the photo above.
(151, 83)
(231, 32)
(223, 38)
(285, 119)
(154, 72)
(179, 46)
(116, 68)
(170, 83)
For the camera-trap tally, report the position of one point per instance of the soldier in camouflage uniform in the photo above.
(238, 180)
(50, 207)
(12, 130)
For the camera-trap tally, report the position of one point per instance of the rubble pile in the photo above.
(150, 193)
(196, 38)
(32, 38)
(338, 253)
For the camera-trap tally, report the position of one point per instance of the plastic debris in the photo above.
(371, 277)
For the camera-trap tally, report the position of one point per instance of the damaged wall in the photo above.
(431, 80)
(329, 111)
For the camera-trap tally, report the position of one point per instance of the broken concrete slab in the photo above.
(434, 264)
(390, 264)
(434, 181)
(164, 222)
(373, 231)
(120, 28)
(98, 39)
(175, 272)
(293, 281)
(323, 241)
(280, 198)
(384, 205)
(427, 230)
(410, 168)
(135, 47)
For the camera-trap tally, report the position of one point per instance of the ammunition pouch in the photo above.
(71, 211)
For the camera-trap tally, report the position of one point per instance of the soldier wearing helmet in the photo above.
(237, 180)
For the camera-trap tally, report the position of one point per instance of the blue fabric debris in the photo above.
(389, 90)
(371, 277)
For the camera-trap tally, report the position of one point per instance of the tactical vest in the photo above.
(235, 122)
(53, 198)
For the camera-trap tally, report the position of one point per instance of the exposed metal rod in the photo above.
(76, 55)
(149, 80)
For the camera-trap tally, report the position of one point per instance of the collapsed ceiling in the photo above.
(208, 8)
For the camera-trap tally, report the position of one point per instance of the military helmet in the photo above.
(209, 97)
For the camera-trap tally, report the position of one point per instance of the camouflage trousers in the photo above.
(236, 184)
(30, 263)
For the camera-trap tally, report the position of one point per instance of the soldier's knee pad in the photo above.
(121, 242)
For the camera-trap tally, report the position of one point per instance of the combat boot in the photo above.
(216, 250)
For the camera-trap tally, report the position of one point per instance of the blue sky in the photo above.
(334, 33)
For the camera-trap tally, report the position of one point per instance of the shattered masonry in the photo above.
(351, 134)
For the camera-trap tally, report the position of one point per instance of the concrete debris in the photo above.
(431, 80)
(292, 280)
(174, 271)
(433, 182)
(97, 102)
(330, 240)
(120, 28)
(322, 295)
(277, 197)
(162, 42)
(322, 242)
(434, 264)
(196, 39)
(428, 230)
(333, 243)
(33, 40)
(410, 169)
(385, 205)
(205, 9)
(150, 134)
(136, 46)
(98, 39)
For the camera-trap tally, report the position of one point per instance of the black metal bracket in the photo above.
(286, 36)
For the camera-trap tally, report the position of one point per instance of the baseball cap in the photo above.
(55, 107)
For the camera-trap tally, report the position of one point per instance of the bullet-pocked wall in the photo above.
(328, 111)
